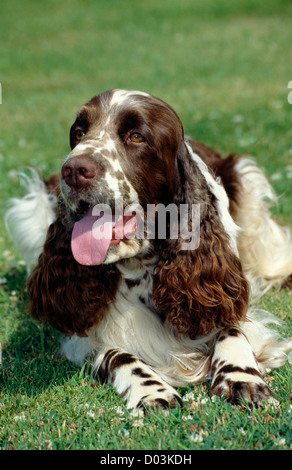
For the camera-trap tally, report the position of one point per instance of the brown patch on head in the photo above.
(146, 170)
(151, 165)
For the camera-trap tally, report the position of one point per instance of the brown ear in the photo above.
(203, 288)
(71, 297)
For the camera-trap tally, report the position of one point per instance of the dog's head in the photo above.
(124, 157)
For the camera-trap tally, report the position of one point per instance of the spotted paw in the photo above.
(148, 390)
(239, 393)
(160, 401)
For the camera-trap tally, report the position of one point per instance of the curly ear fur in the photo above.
(202, 289)
(71, 297)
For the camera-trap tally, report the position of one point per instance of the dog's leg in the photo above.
(137, 383)
(235, 372)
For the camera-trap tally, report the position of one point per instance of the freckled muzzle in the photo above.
(92, 174)
(92, 178)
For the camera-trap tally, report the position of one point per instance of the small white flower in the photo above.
(196, 438)
(190, 397)
(273, 402)
(137, 414)
(20, 417)
(90, 414)
(281, 442)
(276, 177)
(187, 418)
(13, 296)
(138, 423)
(119, 410)
(48, 443)
(204, 400)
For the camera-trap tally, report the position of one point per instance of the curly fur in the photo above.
(203, 289)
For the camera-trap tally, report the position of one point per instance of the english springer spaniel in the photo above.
(149, 252)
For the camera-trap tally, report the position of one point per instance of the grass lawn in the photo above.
(225, 67)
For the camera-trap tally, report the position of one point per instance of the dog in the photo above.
(149, 251)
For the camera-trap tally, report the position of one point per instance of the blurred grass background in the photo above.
(224, 67)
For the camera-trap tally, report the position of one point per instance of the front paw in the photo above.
(151, 393)
(160, 401)
(239, 392)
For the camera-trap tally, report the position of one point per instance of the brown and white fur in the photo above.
(154, 316)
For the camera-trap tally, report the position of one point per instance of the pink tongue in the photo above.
(91, 238)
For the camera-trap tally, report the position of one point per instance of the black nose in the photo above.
(79, 171)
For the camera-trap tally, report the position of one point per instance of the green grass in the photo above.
(224, 66)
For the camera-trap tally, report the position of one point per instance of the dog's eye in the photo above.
(78, 135)
(136, 138)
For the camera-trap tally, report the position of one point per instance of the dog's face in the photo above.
(124, 148)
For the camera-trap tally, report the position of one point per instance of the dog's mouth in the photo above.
(96, 232)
